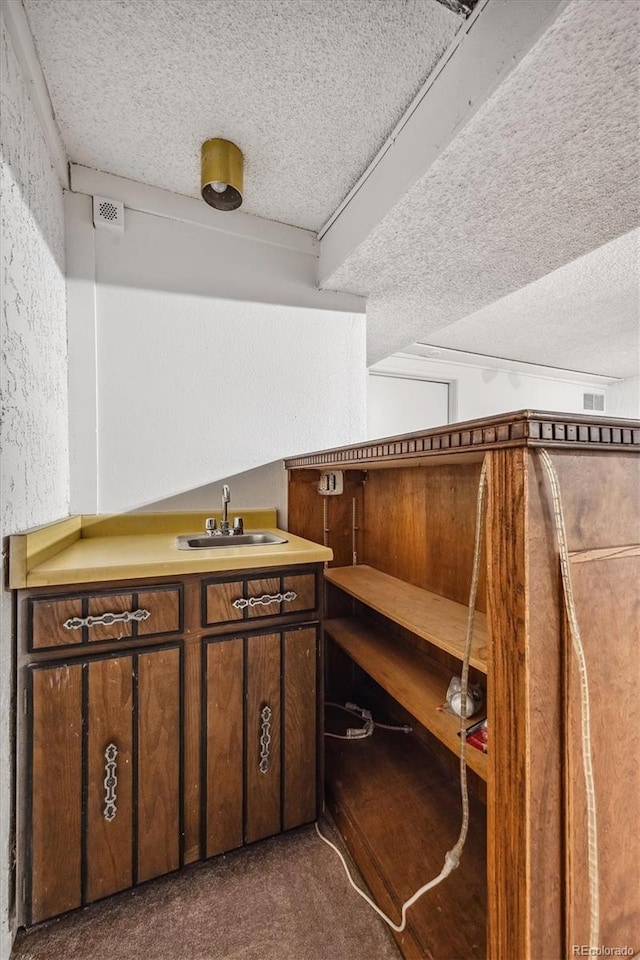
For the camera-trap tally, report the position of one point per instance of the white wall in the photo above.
(623, 399)
(192, 387)
(34, 475)
(192, 390)
(264, 486)
(403, 404)
(493, 386)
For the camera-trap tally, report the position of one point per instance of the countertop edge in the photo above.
(98, 560)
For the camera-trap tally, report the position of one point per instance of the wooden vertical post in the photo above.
(524, 810)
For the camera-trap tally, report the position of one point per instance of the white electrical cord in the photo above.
(452, 857)
(361, 733)
(587, 763)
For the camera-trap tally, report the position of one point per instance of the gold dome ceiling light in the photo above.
(221, 174)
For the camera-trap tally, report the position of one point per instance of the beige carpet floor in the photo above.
(286, 898)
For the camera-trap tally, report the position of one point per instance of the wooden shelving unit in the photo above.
(408, 508)
(415, 682)
(434, 618)
(400, 812)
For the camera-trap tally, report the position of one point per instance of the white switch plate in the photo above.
(331, 483)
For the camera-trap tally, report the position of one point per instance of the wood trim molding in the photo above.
(524, 428)
(173, 206)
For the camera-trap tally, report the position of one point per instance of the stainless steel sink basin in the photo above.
(258, 538)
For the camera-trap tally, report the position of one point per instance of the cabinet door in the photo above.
(260, 736)
(105, 776)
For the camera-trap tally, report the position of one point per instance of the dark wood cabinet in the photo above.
(74, 620)
(161, 722)
(105, 760)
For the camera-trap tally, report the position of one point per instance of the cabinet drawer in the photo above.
(250, 599)
(75, 620)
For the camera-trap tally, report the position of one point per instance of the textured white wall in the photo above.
(34, 474)
(193, 390)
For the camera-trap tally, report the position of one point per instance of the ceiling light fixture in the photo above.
(221, 174)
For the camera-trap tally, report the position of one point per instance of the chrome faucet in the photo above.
(226, 497)
(211, 524)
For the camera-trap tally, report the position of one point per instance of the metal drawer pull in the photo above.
(264, 601)
(265, 738)
(110, 782)
(74, 623)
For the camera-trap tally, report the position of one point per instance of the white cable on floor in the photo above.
(587, 763)
(452, 857)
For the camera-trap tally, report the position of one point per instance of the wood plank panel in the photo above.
(49, 617)
(304, 505)
(262, 799)
(526, 715)
(219, 602)
(260, 588)
(159, 785)
(111, 603)
(224, 705)
(544, 729)
(306, 510)
(300, 732)
(304, 586)
(610, 633)
(415, 682)
(109, 842)
(508, 879)
(420, 527)
(434, 618)
(56, 793)
(593, 477)
(164, 607)
(403, 810)
(193, 841)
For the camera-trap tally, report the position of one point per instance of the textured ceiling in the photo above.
(597, 295)
(546, 171)
(309, 89)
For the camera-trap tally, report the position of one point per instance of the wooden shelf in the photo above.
(434, 618)
(399, 812)
(415, 682)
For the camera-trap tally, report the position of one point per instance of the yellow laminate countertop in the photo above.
(86, 550)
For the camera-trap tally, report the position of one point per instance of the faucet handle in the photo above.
(211, 525)
(238, 525)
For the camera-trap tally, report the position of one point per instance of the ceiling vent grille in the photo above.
(108, 214)
(593, 401)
